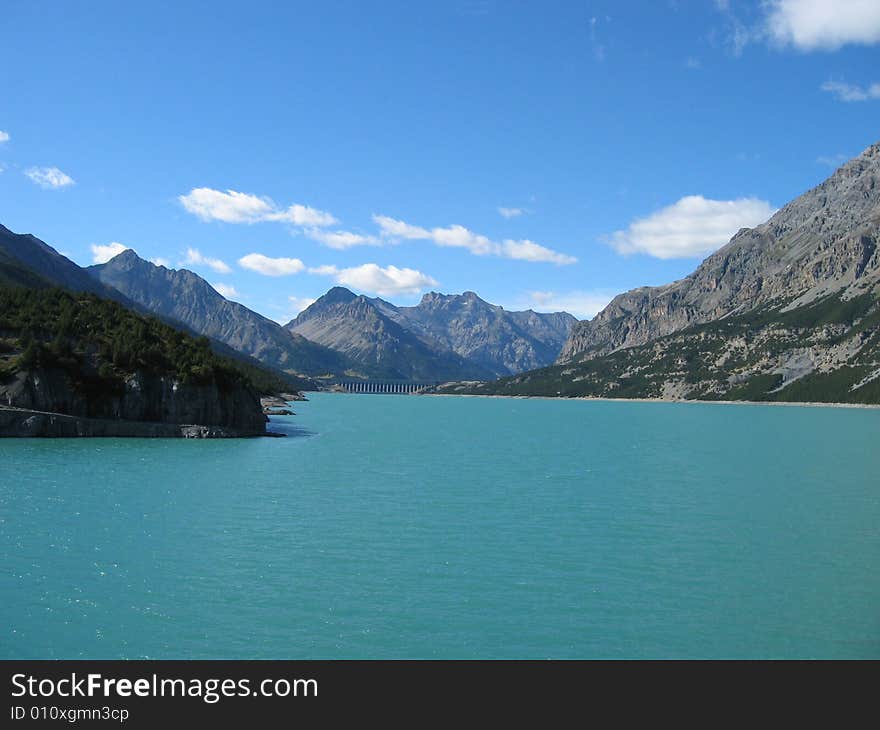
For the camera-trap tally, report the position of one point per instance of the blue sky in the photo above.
(544, 155)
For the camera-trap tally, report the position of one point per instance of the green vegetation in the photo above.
(833, 387)
(731, 359)
(757, 388)
(828, 310)
(98, 343)
(13, 273)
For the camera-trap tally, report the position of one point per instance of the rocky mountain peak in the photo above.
(337, 295)
(129, 258)
(431, 298)
(821, 243)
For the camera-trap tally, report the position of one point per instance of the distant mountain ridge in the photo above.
(185, 297)
(355, 326)
(444, 337)
(504, 342)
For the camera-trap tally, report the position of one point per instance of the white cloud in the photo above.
(194, 258)
(460, 237)
(102, 254)
(851, 92)
(398, 229)
(694, 226)
(582, 304)
(811, 25)
(159, 261)
(303, 215)
(227, 291)
(530, 251)
(374, 279)
(229, 207)
(456, 236)
(48, 177)
(510, 212)
(269, 266)
(4, 136)
(342, 239)
(235, 207)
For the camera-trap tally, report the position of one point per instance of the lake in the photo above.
(449, 527)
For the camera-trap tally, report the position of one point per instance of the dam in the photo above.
(400, 387)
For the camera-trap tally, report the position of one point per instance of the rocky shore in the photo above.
(24, 423)
(276, 405)
(46, 402)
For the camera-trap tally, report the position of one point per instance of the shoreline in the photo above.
(18, 422)
(802, 404)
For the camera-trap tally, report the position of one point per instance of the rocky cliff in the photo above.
(141, 397)
(822, 243)
(91, 359)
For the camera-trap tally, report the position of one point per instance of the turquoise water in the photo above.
(400, 526)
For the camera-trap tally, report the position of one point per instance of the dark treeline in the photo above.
(99, 339)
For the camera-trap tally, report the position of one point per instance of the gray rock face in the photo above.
(185, 297)
(444, 337)
(821, 243)
(503, 342)
(144, 398)
(362, 329)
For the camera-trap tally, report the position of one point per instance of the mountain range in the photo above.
(182, 296)
(341, 335)
(787, 310)
(444, 337)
